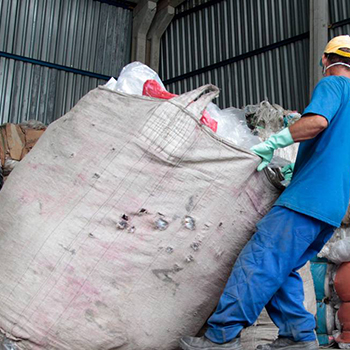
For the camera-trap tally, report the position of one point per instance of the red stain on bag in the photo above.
(152, 88)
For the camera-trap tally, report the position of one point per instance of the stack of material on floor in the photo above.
(322, 271)
(342, 287)
(16, 140)
(123, 223)
(337, 251)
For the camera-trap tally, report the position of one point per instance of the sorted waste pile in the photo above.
(331, 273)
(126, 218)
(16, 140)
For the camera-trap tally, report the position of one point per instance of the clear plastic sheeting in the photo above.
(232, 126)
(132, 78)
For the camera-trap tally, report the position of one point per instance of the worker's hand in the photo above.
(265, 149)
(287, 171)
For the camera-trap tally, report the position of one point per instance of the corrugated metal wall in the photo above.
(339, 13)
(274, 75)
(84, 40)
(251, 49)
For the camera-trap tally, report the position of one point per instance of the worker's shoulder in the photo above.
(335, 79)
(338, 84)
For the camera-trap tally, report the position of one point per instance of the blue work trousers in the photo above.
(265, 275)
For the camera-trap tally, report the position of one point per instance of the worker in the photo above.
(301, 221)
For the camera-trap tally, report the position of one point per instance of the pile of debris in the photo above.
(331, 273)
(16, 140)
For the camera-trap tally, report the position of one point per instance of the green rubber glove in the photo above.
(287, 171)
(265, 149)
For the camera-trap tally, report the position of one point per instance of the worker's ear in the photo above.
(324, 60)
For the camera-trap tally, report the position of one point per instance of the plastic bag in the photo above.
(337, 252)
(111, 84)
(132, 78)
(152, 88)
(232, 126)
(209, 121)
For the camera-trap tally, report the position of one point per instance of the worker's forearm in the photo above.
(308, 127)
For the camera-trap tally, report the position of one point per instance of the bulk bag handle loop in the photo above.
(197, 100)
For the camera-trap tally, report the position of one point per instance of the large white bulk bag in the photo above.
(120, 228)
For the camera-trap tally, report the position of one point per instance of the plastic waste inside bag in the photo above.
(266, 119)
(244, 128)
(111, 84)
(232, 126)
(132, 78)
(209, 121)
(152, 88)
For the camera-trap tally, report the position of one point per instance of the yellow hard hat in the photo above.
(337, 43)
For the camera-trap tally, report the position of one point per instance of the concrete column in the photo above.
(319, 18)
(143, 15)
(160, 23)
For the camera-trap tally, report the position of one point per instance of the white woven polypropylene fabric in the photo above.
(120, 228)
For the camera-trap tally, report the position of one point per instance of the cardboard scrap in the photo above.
(15, 141)
(3, 145)
(31, 137)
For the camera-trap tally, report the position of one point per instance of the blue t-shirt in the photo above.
(321, 181)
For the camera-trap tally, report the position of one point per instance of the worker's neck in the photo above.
(338, 71)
